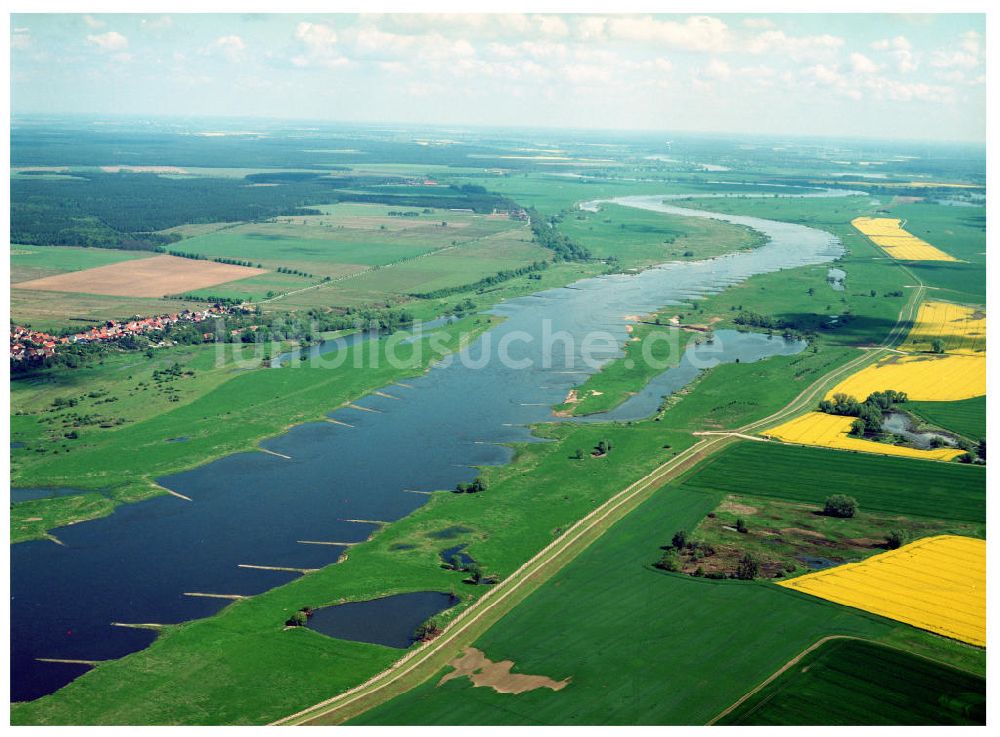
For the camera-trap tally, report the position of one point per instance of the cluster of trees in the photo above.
(681, 544)
(299, 618)
(408, 213)
(549, 236)
(427, 631)
(752, 319)
(485, 282)
(869, 412)
(475, 487)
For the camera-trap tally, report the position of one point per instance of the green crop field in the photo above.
(848, 682)
(966, 417)
(640, 646)
(947, 491)
(35, 262)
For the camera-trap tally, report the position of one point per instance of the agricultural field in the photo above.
(958, 329)
(806, 475)
(966, 417)
(937, 584)
(832, 431)
(28, 263)
(924, 378)
(157, 276)
(846, 681)
(888, 234)
(611, 608)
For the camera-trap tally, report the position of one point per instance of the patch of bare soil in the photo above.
(736, 508)
(145, 277)
(474, 665)
(805, 533)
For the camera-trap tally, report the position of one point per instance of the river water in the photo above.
(253, 508)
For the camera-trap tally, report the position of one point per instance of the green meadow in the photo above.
(966, 417)
(847, 682)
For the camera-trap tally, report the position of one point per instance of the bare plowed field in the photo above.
(149, 277)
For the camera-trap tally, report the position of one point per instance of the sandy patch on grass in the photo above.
(156, 276)
(474, 665)
(804, 533)
(735, 507)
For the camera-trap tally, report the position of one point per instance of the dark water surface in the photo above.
(389, 621)
(254, 508)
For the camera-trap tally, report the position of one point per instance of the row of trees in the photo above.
(484, 283)
(547, 235)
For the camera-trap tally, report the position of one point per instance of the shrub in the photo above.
(741, 526)
(748, 568)
(840, 505)
(895, 539)
(669, 562)
(680, 539)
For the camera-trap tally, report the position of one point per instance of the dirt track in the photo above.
(157, 276)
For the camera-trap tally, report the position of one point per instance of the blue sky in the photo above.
(899, 76)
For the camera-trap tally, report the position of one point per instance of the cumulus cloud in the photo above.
(696, 33)
(900, 50)
(156, 24)
(758, 23)
(321, 44)
(93, 22)
(718, 69)
(967, 55)
(110, 41)
(230, 47)
(795, 47)
(861, 64)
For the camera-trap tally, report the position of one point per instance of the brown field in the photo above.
(474, 665)
(150, 277)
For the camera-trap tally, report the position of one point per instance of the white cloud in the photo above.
(110, 41)
(968, 54)
(861, 64)
(93, 22)
(900, 50)
(156, 24)
(231, 47)
(21, 39)
(758, 23)
(718, 69)
(795, 47)
(696, 33)
(316, 36)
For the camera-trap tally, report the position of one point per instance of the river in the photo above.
(252, 508)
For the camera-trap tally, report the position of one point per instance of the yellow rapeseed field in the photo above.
(936, 584)
(831, 431)
(961, 329)
(891, 238)
(924, 378)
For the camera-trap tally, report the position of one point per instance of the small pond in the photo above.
(389, 621)
(900, 423)
(835, 278)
